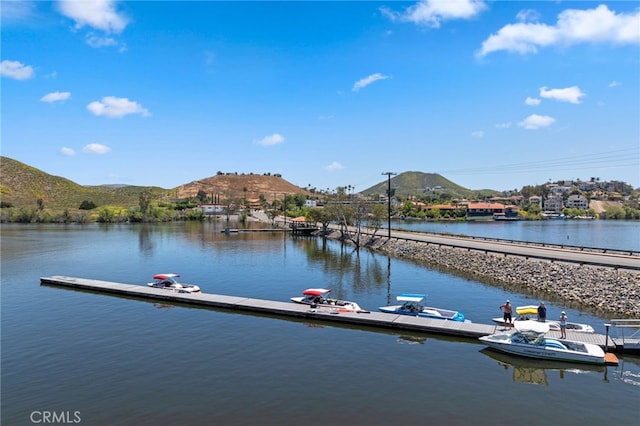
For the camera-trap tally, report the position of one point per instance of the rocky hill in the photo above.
(243, 186)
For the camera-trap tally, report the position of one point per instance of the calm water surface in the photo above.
(122, 361)
(611, 234)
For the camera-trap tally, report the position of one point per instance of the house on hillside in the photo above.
(578, 201)
(536, 199)
(553, 204)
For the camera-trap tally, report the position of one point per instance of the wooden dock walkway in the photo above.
(289, 309)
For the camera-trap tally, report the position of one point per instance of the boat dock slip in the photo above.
(295, 310)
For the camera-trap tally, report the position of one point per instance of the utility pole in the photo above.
(389, 174)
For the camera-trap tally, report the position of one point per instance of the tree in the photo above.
(321, 215)
(87, 205)
(144, 201)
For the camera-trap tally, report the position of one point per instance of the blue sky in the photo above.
(488, 94)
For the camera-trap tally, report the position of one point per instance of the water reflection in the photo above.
(145, 245)
(535, 371)
(348, 269)
(411, 340)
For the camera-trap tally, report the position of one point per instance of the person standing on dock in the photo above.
(542, 312)
(506, 313)
(563, 325)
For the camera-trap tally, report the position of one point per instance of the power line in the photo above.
(619, 158)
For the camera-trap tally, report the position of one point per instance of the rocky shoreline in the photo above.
(607, 290)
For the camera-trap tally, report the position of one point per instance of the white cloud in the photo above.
(503, 125)
(67, 152)
(528, 15)
(335, 166)
(55, 97)
(97, 41)
(532, 101)
(570, 94)
(96, 148)
(16, 70)
(535, 121)
(615, 84)
(599, 25)
(477, 134)
(364, 82)
(113, 107)
(273, 139)
(17, 10)
(98, 14)
(431, 13)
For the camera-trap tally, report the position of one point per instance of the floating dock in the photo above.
(321, 313)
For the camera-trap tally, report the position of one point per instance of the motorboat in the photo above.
(319, 298)
(170, 282)
(530, 340)
(524, 313)
(553, 325)
(412, 304)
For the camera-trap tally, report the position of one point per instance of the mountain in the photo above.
(22, 186)
(243, 186)
(418, 183)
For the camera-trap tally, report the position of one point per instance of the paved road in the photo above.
(614, 260)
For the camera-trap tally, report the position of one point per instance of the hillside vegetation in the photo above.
(22, 186)
(420, 184)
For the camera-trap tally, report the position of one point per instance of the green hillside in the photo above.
(22, 186)
(420, 184)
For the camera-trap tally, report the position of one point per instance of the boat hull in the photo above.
(426, 312)
(551, 350)
(341, 305)
(553, 325)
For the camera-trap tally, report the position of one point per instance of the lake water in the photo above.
(103, 360)
(624, 235)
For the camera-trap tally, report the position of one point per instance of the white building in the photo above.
(553, 204)
(212, 208)
(578, 202)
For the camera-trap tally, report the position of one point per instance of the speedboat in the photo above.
(319, 298)
(411, 304)
(170, 282)
(553, 325)
(530, 340)
(523, 313)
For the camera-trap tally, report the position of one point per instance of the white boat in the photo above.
(319, 298)
(530, 340)
(524, 312)
(553, 325)
(170, 282)
(411, 304)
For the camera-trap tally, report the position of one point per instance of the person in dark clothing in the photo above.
(542, 312)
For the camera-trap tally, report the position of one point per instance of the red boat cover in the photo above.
(315, 291)
(164, 276)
